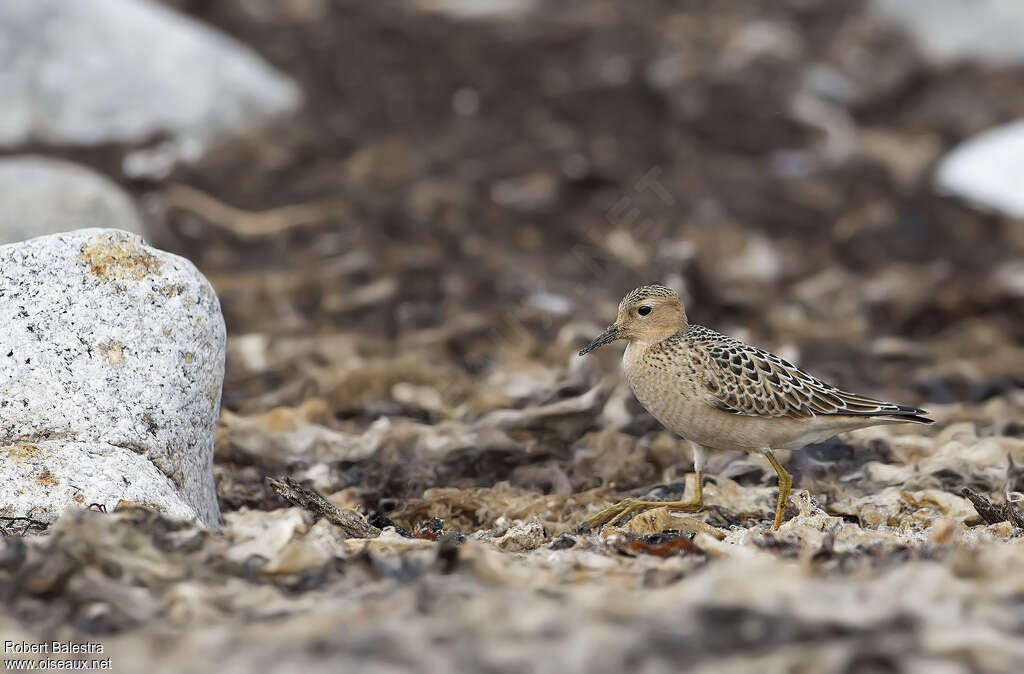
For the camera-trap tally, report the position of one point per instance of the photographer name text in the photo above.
(52, 647)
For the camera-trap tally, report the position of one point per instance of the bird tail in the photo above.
(911, 414)
(861, 406)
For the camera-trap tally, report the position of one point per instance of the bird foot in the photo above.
(628, 507)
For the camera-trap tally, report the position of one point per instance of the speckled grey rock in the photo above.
(111, 364)
(42, 479)
(39, 195)
(98, 71)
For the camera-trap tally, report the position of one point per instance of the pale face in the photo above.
(643, 317)
(651, 319)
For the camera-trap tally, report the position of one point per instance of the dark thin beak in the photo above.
(609, 335)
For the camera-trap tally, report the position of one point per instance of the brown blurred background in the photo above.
(773, 161)
(470, 187)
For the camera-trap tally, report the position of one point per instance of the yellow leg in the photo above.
(616, 513)
(785, 484)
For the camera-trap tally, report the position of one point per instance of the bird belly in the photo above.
(695, 420)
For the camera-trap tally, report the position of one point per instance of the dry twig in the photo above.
(307, 498)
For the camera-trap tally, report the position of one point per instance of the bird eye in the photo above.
(644, 310)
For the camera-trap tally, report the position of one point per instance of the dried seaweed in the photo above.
(993, 513)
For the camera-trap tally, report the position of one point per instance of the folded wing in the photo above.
(742, 379)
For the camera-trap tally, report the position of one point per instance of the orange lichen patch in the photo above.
(45, 477)
(118, 260)
(112, 351)
(124, 504)
(22, 451)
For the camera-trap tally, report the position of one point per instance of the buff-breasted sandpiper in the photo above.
(720, 393)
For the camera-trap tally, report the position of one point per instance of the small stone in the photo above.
(563, 542)
(943, 531)
(521, 536)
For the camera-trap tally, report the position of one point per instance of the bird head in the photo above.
(649, 314)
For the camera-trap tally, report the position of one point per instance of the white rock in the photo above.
(987, 170)
(47, 196)
(100, 71)
(950, 30)
(41, 479)
(111, 364)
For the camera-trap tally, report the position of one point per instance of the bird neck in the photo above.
(638, 348)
